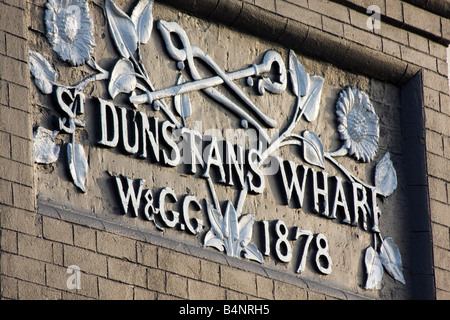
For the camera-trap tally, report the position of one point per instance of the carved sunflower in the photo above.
(70, 30)
(358, 124)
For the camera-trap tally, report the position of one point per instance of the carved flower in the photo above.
(232, 232)
(70, 30)
(358, 124)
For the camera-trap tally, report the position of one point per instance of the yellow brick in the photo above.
(204, 291)
(23, 268)
(422, 19)
(238, 280)
(36, 248)
(112, 290)
(170, 261)
(88, 261)
(31, 291)
(127, 272)
(285, 291)
(57, 230)
(116, 246)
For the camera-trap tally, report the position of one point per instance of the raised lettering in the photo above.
(110, 133)
(150, 134)
(360, 204)
(131, 149)
(168, 193)
(174, 160)
(293, 185)
(187, 201)
(234, 159)
(320, 194)
(213, 158)
(340, 200)
(255, 173)
(191, 147)
(130, 194)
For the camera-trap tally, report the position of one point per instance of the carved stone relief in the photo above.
(225, 226)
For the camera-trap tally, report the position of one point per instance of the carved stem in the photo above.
(163, 105)
(213, 194)
(343, 151)
(102, 75)
(352, 178)
(277, 143)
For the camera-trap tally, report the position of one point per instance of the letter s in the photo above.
(255, 172)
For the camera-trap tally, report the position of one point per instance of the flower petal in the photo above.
(70, 30)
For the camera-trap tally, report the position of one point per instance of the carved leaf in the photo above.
(122, 29)
(245, 235)
(391, 259)
(182, 102)
(374, 268)
(45, 149)
(299, 78)
(228, 234)
(143, 19)
(313, 149)
(78, 165)
(44, 74)
(305, 86)
(311, 103)
(246, 229)
(385, 176)
(231, 229)
(123, 78)
(211, 240)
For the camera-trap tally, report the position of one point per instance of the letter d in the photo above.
(113, 129)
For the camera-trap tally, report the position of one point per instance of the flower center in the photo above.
(357, 125)
(70, 23)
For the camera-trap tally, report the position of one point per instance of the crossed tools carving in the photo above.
(188, 52)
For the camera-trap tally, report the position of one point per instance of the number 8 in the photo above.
(282, 238)
(322, 251)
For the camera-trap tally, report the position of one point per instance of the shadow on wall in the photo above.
(415, 162)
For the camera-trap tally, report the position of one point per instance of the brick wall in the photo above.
(37, 246)
(37, 249)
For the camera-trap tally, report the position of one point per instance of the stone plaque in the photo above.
(177, 127)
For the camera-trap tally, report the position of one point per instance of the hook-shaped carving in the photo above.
(166, 28)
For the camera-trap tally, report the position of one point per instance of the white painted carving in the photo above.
(232, 232)
(358, 125)
(385, 176)
(45, 149)
(70, 30)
